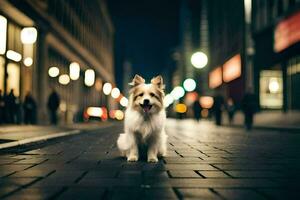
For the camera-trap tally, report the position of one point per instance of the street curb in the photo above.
(37, 139)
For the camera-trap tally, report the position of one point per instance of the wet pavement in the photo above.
(203, 162)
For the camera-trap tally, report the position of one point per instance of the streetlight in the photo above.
(199, 59)
(28, 35)
(64, 79)
(74, 70)
(107, 87)
(53, 72)
(189, 84)
(89, 77)
(115, 93)
(124, 101)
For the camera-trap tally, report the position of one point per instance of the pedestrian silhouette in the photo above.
(197, 110)
(2, 108)
(230, 107)
(53, 104)
(29, 107)
(11, 107)
(217, 108)
(249, 108)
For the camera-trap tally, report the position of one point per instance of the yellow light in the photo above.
(53, 72)
(3, 30)
(89, 77)
(206, 102)
(119, 115)
(273, 85)
(107, 88)
(199, 60)
(64, 79)
(15, 56)
(74, 70)
(28, 62)
(28, 35)
(94, 111)
(181, 108)
(124, 102)
(115, 93)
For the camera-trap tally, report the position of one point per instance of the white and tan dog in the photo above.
(144, 120)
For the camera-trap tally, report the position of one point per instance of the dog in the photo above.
(144, 121)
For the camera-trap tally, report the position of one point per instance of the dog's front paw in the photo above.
(152, 159)
(132, 159)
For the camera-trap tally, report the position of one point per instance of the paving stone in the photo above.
(189, 167)
(280, 193)
(32, 173)
(197, 193)
(184, 174)
(213, 174)
(159, 193)
(5, 190)
(239, 194)
(35, 193)
(254, 174)
(88, 193)
(88, 166)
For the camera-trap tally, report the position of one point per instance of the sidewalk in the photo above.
(270, 120)
(16, 135)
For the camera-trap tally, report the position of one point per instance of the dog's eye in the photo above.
(140, 95)
(152, 94)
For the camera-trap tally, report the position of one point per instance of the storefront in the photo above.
(228, 78)
(277, 64)
(17, 56)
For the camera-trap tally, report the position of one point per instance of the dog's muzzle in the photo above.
(146, 106)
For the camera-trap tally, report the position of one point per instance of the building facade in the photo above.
(226, 43)
(276, 34)
(63, 36)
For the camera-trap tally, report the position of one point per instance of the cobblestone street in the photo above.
(203, 162)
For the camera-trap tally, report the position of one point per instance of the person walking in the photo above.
(29, 107)
(11, 107)
(230, 107)
(249, 108)
(217, 108)
(53, 105)
(2, 108)
(197, 109)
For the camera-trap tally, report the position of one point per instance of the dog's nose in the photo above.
(146, 102)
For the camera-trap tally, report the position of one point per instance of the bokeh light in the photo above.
(107, 88)
(64, 79)
(177, 92)
(199, 60)
(115, 93)
(189, 84)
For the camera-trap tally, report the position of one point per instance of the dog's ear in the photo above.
(137, 80)
(158, 80)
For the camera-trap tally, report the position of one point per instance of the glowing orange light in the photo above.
(287, 32)
(206, 102)
(215, 77)
(232, 69)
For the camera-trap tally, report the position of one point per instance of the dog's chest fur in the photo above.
(144, 126)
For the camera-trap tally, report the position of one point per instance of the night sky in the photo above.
(145, 33)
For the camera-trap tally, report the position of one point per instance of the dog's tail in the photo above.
(123, 142)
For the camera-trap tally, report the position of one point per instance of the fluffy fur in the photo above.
(144, 121)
